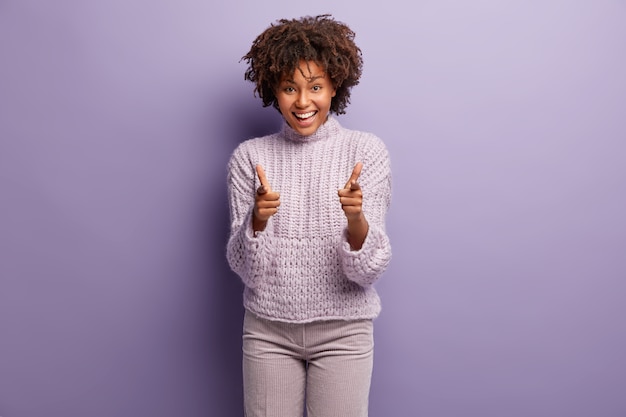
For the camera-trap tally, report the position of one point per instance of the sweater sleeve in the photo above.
(367, 264)
(249, 254)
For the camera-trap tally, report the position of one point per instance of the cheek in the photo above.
(282, 102)
(330, 100)
(284, 107)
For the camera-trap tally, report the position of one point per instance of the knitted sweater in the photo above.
(301, 267)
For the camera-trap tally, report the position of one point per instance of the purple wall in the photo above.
(505, 122)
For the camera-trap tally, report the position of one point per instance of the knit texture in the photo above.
(301, 267)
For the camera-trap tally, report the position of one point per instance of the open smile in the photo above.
(303, 117)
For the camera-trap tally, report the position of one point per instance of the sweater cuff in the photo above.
(257, 252)
(366, 265)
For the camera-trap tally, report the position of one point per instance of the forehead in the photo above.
(307, 70)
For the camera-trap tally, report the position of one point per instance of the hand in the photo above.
(266, 201)
(351, 197)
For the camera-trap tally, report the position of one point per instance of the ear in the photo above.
(334, 92)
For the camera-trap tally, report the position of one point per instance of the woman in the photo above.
(308, 239)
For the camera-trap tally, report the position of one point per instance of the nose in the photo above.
(302, 101)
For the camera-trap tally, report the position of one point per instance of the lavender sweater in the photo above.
(301, 267)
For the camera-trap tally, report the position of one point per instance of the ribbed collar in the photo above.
(329, 129)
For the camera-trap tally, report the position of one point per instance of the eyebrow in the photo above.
(310, 80)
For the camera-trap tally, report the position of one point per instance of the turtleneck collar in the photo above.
(328, 129)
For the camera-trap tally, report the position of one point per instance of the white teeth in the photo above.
(304, 115)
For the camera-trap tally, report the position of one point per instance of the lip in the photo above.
(305, 122)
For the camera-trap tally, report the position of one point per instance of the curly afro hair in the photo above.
(277, 52)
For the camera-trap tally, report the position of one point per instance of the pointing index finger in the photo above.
(355, 175)
(262, 178)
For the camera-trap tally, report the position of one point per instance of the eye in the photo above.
(317, 88)
(289, 89)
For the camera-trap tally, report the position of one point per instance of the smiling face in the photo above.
(304, 97)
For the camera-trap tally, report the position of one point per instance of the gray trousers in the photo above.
(328, 363)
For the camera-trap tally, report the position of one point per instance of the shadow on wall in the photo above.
(250, 120)
(239, 118)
